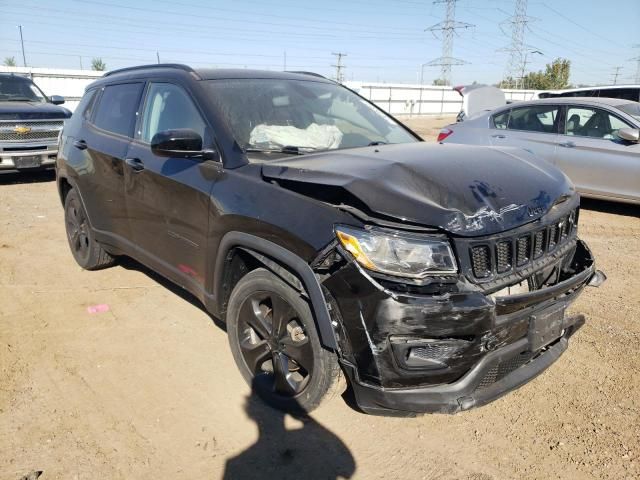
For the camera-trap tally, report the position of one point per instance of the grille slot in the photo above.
(481, 259)
(538, 244)
(504, 256)
(522, 250)
(552, 236)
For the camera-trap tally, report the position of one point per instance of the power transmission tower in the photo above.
(448, 28)
(637, 60)
(616, 74)
(339, 67)
(516, 64)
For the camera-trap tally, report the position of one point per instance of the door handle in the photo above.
(499, 136)
(80, 144)
(567, 144)
(136, 164)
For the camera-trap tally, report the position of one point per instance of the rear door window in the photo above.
(538, 118)
(116, 111)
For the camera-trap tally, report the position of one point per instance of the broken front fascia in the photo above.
(403, 336)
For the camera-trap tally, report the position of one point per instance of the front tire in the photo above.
(87, 252)
(275, 344)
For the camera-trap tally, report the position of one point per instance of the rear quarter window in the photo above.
(117, 107)
(501, 120)
(82, 111)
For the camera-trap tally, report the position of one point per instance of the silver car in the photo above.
(594, 141)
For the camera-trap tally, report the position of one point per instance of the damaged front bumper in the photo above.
(422, 351)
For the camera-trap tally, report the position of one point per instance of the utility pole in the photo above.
(447, 28)
(339, 66)
(284, 64)
(80, 57)
(517, 57)
(616, 74)
(24, 59)
(158, 56)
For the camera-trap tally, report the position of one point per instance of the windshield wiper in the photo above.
(288, 149)
(377, 143)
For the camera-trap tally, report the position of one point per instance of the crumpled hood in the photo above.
(465, 190)
(32, 111)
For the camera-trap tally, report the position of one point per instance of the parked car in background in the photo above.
(30, 123)
(593, 141)
(624, 92)
(327, 236)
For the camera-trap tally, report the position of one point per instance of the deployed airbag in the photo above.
(317, 137)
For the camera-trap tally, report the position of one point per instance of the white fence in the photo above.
(416, 99)
(395, 98)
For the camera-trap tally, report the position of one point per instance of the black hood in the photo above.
(465, 190)
(32, 111)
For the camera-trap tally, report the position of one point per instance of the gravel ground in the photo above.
(149, 388)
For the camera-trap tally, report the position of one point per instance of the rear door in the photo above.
(168, 198)
(533, 128)
(104, 142)
(594, 157)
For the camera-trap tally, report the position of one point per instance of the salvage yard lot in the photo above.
(149, 387)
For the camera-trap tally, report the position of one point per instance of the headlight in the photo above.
(401, 254)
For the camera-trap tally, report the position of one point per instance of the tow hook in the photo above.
(597, 279)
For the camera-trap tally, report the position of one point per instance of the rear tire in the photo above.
(275, 344)
(87, 252)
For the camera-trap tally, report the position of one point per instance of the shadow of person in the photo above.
(310, 452)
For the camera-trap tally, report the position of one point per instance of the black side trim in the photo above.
(292, 261)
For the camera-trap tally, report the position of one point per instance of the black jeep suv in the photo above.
(327, 236)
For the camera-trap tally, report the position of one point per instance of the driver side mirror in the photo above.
(56, 99)
(629, 134)
(180, 143)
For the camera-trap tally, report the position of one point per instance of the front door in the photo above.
(594, 157)
(168, 198)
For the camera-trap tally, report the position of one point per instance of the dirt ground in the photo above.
(149, 389)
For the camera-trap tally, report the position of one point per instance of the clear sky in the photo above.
(383, 40)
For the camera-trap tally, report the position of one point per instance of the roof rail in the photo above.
(180, 66)
(313, 74)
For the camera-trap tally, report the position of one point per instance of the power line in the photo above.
(339, 66)
(448, 28)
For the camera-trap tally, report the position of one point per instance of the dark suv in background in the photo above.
(327, 235)
(30, 123)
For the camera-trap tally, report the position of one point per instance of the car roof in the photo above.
(611, 102)
(149, 71)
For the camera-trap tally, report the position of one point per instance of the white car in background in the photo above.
(594, 141)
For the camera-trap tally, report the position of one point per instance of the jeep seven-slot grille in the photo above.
(505, 254)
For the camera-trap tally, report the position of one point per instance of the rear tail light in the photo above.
(444, 133)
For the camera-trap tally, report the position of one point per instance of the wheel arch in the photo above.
(254, 252)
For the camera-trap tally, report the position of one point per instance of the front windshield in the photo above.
(302, 116)
(632, 109)
(19, 89)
